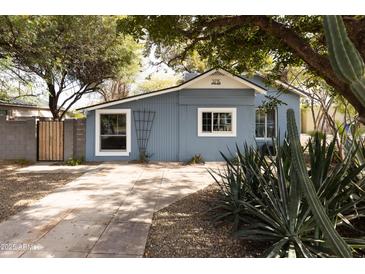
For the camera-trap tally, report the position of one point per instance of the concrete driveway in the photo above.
(106, 212)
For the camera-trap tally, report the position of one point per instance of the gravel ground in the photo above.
(17, 191)
(185, 229)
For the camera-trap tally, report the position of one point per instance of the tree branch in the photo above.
(316, 62)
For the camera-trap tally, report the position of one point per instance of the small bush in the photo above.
(144, 157)
(74, 162)
(22, 162)
(196, 159)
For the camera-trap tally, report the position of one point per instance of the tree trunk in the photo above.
(52, 101)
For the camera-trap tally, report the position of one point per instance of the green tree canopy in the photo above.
(71, 55)
(248, 43)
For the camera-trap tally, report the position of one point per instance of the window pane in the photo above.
(225, 122)
(207, 122)
(260, 130)
(271, 124)
(108, 124)
(215, 122)
(270, 131)
(260, 117)
(113, 142)
(122, 122)
(271, 116)
(113, 124)
(260, 124)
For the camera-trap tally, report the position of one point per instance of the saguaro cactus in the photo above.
(345, 59)
(338, 244)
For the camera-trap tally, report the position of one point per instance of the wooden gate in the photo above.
(50, 141)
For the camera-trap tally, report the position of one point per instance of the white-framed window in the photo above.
(217, 122)
(112, 132)
(266, 124)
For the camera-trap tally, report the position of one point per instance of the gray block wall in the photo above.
(79, 138)
(18, 139)
(74, 132)
(68, 127)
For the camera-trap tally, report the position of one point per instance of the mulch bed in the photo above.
(18, 191)
(185, 229)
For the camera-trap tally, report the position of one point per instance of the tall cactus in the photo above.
(345, 59)
(334, 239)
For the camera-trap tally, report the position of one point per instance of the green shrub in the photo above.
(22, 162)
(196, 159)
(74, 162)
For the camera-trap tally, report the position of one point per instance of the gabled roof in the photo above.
(21, 104)
(285, 85)
(186, 84)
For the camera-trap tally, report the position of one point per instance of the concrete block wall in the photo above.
(18, 139)
(75, 139)
(68, 127)
(79, 138)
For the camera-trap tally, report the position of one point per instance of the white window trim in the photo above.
(276, 127)
(217, 133)
(98, 151)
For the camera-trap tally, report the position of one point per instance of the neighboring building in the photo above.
(323, 125)
(209, 113)
(18, 109)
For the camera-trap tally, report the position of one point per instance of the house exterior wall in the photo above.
(163, 142)
(26, 112)
(174, 135)
(210, 147)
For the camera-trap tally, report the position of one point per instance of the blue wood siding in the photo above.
(174, 135)
(210, 147)
(163, 143)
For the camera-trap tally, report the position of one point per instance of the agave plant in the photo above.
(234, 182)
(337, 183)
(297, 213)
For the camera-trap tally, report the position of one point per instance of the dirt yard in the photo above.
(185, 229)
(17, 191)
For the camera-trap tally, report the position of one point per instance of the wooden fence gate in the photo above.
(50, 141)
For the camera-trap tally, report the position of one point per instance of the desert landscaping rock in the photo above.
(185, 229)
(18, 191)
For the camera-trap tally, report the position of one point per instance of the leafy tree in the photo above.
(156, 82)
(248, 43)
(114, 90)
(70, 55)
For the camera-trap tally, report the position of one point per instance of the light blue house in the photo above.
(209, 113)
